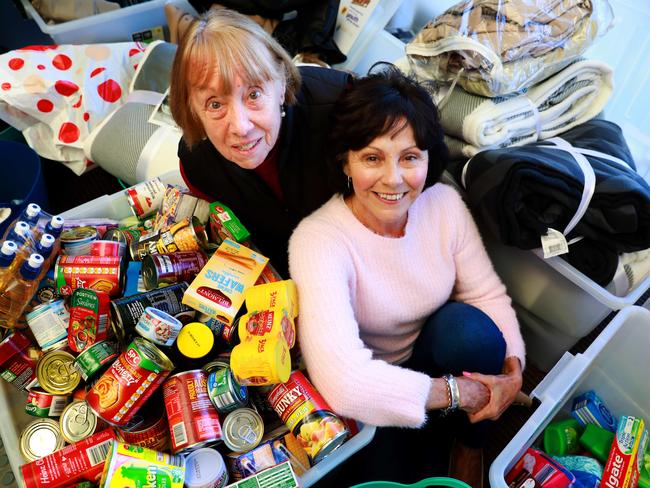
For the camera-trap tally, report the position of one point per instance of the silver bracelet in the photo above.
(454, 394)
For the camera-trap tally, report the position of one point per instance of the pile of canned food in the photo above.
(159, 349)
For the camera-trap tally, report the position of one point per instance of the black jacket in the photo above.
(301, 164)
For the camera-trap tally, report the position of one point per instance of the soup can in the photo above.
(43, 404)
(18, 361)
(158, 326)
(129, 382)
(165, 269)
(242, 430)
(40, 438)
(145, 198)
(92, 360)
(99, 273)
(56, 373)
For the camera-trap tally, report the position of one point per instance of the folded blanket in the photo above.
(569, 98)
(594, 259)
(520, 192)
(496, 47)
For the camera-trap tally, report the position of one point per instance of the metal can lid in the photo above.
(40, 438)
(243, 430)
(76, 234)
(205, 467)
(195, 340)
(216, 364)
(77, 421)
(56, 372)
(151, 352)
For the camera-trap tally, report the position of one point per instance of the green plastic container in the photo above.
(440, 481)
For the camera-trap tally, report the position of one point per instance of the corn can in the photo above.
(77, 422)
(40, 438)
(43, 404)
(242, 430)
(56, 373)
(94, 272)
(165, 269)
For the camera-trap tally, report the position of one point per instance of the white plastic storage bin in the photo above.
(12, 401)
(614, 366)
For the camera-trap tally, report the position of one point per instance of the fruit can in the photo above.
(242, 430)
(205, 468)
(77, 240)
(18, 361)
(93, 359)
(145, 198)
(193, 420)
(75, 463)
(129, 382)
(40, 438)
(152, 433)
(99, 273)
(158, 327)
(308, 416)
(56, 373)
(77, 422)
(164, 269)
(89, 315)
(225, 393)
(43, 404)
(49, 324)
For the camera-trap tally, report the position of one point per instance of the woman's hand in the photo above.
(503, 389)
(474, 395)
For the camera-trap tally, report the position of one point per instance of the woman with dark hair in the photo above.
(401, 312)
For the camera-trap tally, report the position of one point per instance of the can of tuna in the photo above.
(193, 420)
(43, 404)
(94, 272)
(96, 357)
(18, 361)
(89, 314)
(152, 433)
(205, 468)
(308, 416)
(242, 430)
(40, 438)
(158, 326)
(145, 198)
(56, 373)
(77, 422)
(134, 466)
(76, 241)
(164, 269)
(107, 248)
(125, 236)
(226, 394)
(129, 382)
(49, 324)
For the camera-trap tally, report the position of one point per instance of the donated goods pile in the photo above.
(156, 351)
(588, 449)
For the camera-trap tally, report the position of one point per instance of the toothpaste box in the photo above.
(626, 455)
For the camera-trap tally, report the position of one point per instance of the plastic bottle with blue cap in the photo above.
(7, 257)
(54, 226)
(30, 214)
(20, 290)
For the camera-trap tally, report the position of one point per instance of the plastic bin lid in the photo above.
(438, 481)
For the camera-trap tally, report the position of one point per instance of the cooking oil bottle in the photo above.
(20, 290)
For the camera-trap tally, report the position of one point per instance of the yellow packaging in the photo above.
(218, 290)
(280, 294)
(261, 360)
(273, 322)
(130, 466)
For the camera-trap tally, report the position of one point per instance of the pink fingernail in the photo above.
(465, 373)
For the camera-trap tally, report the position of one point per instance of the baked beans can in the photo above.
(125, 312)
(124, 236)
(77, 240)
(164, 269)
(75, 463)
(145, 198)
(185, 235)
(18, 361)
(40, 438)
(96, 357)
(129, 382)
(99, 273)
(226, 394)
(89, 316)
(107, 248)
(56, 373)
(205, 468)
(77, 422)
(159, 327)
(308, 416)
(193, 420)
(49, 324)
(129, 466)
(43, 404)
(242, 430)
(152, 433)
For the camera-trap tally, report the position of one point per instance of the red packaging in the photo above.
(99, 273)
(89, 315)
(17, 366)
(193, 420)
(107, 248)
(536, 469)
(81, 461)
(154, 434)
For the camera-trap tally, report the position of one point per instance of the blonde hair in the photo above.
(227, 43)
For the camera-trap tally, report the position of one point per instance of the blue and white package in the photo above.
(588, 408)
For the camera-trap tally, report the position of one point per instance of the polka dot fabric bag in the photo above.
(56, 95)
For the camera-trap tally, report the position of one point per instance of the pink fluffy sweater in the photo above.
(364, 298)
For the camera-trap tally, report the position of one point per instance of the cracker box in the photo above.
(219, 289)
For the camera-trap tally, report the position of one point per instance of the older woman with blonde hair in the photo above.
(254, 126)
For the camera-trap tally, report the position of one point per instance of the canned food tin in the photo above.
(125, 236)
(185, 235)
(77, 422)
(130, 466)
(193, 420)
(308, 416)
(178, 205)
(163, 269)
(221, 361)
(107, 248)
(76, 241)
(159, 327)
(49, 324)
(152, 433)
(145, 198)
(242, 430)
(89, 313)
(56, 372)
(226, 332)
(226, 394)
(94, 272)
(205, 468)
(40, 438)
(18, 361)
(93, 359)
(43, 404)
(129, 382)
(261, 360)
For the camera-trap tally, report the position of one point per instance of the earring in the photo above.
(282, 111)
(349, 183)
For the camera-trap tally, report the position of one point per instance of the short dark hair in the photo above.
(372, 107)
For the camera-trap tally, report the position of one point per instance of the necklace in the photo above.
(350, 205)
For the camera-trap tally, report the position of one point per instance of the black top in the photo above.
(301, 164)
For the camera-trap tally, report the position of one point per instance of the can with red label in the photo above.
(99, 273)
(43, 404)
(308, 416)
(145, 198)
(129, 382)
(81, 461)
(164, 269)
(89, 314)
(107, 248)
(152, 433)
(18, 360)
(193, 420)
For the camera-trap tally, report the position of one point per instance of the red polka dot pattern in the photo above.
(110, 91)
(62, 62)
(65, 87)
(96, 71)
(38, 48)
(86, 116)
(68, 133)
(41, 67)
(133, 52)
(78, 104)
(16, 63)
(6, 86)
(44, 105)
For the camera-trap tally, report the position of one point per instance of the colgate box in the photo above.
(625, 457)
(219, 289)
